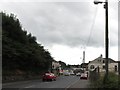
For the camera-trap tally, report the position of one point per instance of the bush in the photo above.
(110, 82)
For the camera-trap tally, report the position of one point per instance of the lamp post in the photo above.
(106, 34)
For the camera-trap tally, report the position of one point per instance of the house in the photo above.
(56, 68)
(55, 65)
(99, 64)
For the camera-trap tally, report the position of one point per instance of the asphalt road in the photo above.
(61, 82)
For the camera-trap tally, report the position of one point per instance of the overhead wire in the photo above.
(92, 28)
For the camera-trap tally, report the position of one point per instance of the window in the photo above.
(115, 68)
(103, 61)
(103, 66)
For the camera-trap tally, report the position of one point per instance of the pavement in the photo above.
(81, 84)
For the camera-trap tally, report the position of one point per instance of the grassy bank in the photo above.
(113, 81)
(19, 75)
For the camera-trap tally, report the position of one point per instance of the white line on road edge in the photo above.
(18, 82)
(30, 86)
(4, 84)
(26, 87)
(71, 84)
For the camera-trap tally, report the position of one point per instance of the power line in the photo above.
(91, 29)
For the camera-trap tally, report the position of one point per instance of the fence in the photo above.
(94, 75)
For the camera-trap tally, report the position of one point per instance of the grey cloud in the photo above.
(59, 23)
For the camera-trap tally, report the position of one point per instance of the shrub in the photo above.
(110, 82)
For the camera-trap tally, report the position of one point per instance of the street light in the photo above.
(97, 2)
(106, 33)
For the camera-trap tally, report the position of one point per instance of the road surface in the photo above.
(65, 82)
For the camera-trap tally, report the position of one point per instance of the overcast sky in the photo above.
(66, 29)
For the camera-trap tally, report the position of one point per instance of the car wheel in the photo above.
(43, 80)
(50, 79)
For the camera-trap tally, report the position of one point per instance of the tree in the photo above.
(20, 50)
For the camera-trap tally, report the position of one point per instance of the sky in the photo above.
(67, 28)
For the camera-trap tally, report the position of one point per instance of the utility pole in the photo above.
(83, 61)
(83, 56)
(106, 35)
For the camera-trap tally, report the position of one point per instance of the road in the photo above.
(65, 82)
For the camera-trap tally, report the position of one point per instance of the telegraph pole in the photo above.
(83, 56)
(83, 61)
(106, 34)
(106, 37)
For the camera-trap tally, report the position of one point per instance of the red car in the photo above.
(48, 77)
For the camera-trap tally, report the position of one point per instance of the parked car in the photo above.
(83, 76)
(48, 76)
(66, 73)
(78, 74)
(87, 73)
(72, 73)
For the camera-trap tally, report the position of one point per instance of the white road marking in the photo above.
(15, 83)
(46, 82)
(30, 86)
(71, 84)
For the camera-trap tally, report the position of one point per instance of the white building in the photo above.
(56, 67)
(99, 63)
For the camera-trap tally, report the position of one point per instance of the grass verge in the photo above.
(113, 81)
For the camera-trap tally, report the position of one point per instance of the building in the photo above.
(56, 67)
(99, 64)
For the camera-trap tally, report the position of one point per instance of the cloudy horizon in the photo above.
(66, 29)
